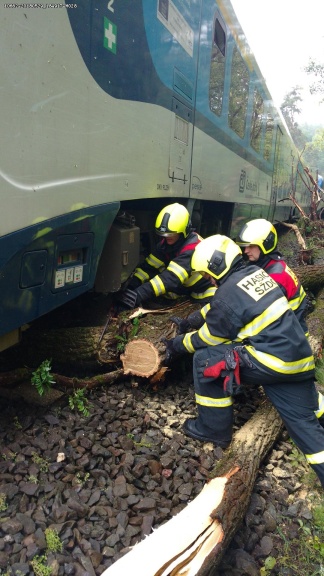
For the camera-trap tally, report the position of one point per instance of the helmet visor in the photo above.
(166, 234)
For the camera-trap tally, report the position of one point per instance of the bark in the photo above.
(311, 277)
(315, 323)
(144, 352)
(194, 541)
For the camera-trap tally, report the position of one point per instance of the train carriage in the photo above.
(110, 110)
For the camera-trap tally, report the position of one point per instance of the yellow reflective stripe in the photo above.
(172, 296)
(180, 272)
(279, 365)
(141, 275)
(294, 303)
(205, 309)
(209, 293)
(272, 313)
(207, 337)
(193, 279)
(317, 458)
(187, 342)
(158, 286)
(320, 411)
(154, 261)
(214, 402)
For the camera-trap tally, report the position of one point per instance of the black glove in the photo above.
(134, 283)
(170, 352)
(183, 325)
(128, 298)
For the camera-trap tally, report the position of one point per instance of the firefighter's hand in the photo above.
(128, 298)
(183, 325)
(169, 349)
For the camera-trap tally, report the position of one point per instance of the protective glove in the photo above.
(134, 283)
(170, 352)
(128, 298)
(229, 369)
(183, 324)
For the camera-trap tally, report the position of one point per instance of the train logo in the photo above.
(242, 181)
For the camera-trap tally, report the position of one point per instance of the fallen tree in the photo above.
(194, 541)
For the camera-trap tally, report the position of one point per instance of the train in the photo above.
(111, 110)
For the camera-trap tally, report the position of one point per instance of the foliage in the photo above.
(41, 462)
(290, 109)
(3, 503)
(39, 566)
(314, 152)
(319, 371)
(122, 341)
(53, 541)
(123, 338)
(81, 481)
(42, 378)
(77, 401)
(316, 69)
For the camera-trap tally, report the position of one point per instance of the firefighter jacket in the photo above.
(277, 268)
(249, 309)
(168, 270)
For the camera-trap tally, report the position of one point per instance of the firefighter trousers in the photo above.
(214, 405)
(296, 402)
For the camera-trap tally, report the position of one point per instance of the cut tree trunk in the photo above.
(194, 541)
(144, 354)
(87, 350)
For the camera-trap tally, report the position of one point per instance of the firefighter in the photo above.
(259, 240)
(248, 333)
(167, 270)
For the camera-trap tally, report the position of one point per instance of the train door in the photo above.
(181, 142)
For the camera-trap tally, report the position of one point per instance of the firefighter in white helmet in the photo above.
(258, 239)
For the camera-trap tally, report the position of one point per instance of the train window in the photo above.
(217, 69)
(268, 137)
(256, 124)
(239, 94)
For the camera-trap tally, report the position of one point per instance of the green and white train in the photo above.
(111, 110)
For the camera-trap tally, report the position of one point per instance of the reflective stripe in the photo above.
(279, 365)
(320, 411)
(154, 261)
(209, 293)
(207, 337)
(272, 313)
(214, 402)
(187, 342)
(193, 279)
(317, 458)
(158, 286)
(294, 303)
(141, 275)
(172, 296)
(180, 272)
(205, 309)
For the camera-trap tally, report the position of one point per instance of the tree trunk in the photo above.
(315, 323)
(91, 350)
(311, 277)
(194, 541)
